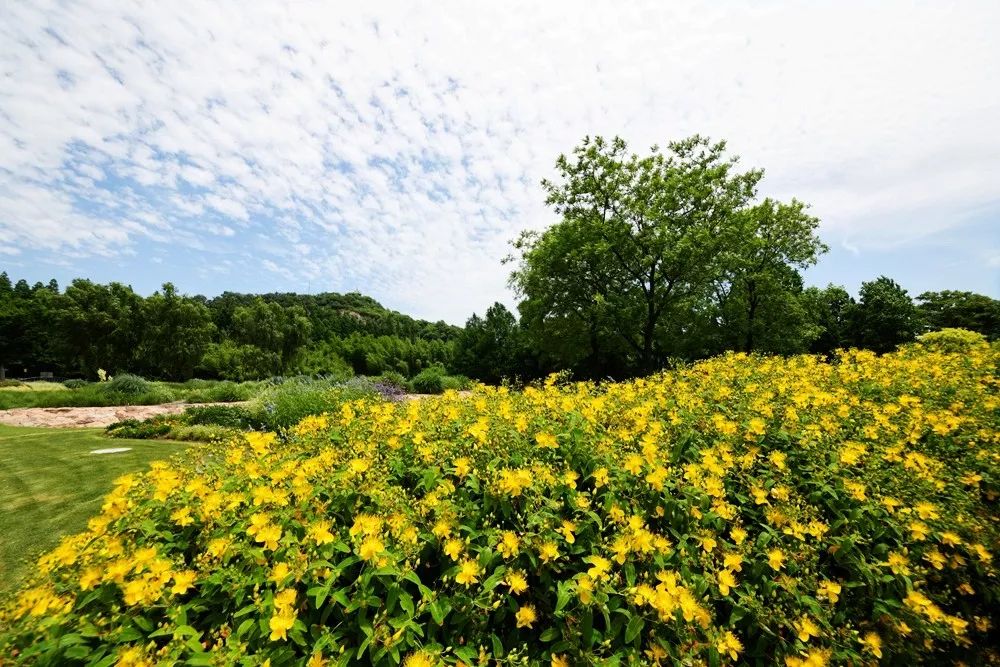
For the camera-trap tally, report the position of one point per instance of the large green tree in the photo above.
(885, 316)
(100, 326)
(178, 331)
(644, 243)
(831, 310)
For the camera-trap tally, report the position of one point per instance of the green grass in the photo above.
(50, 485)
(51, 395)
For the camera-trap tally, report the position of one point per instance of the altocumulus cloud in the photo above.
(396, 148)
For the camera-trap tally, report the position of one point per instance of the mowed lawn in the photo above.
(50, 484)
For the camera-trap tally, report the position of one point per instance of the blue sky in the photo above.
(397, 149)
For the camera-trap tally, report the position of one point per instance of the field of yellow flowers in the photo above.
(742, 510)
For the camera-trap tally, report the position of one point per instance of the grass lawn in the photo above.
(50, 485)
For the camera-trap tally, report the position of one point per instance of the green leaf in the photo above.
(634, 627)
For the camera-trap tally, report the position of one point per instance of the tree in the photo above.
(100, 326)
(832, 312)
(960, 310)
(272, 329)
(491, 348)
(178, 331)
(643, 247)
(885, 316)
(758, 287)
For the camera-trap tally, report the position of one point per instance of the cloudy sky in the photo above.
(396, 148)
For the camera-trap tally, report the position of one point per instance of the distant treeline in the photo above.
(87, 326)
(811, 320)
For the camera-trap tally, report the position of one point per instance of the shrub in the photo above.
(456, 383)
(282, 405)
(200, 433)
(223, 392)
(429, 381)
(392, 378)
(745, 509)
(156, 427)
(220, 415)
(10, 382)
(126, 384)
(75, 383)
(951, 340)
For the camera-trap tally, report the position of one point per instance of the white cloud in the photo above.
(402, 145)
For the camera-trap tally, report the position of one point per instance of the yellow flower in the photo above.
(829, 590)
(279, 572)
(738, 534)
(599, 568)
(727, 581)
(509, 544)
(559, 661)
(775, 558)
(729, 644)
(462, 466)
(546, 441)
(320, 533)
(281, 623)
(269, 536)
(419, 659)
(454, 548)
(183, 580)
(517, 582)
(600, 477)
(873, 644)
(567, 531)
(90, 577)
(806, 628)
(525, 616)
(371, 548)
(468, 573)
(733, 562)
(182, 517)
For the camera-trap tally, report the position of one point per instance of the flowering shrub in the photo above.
(952, 340)
(779, 511)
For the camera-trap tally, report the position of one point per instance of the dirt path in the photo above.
(88, 417)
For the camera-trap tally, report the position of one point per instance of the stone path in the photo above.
(89, 417)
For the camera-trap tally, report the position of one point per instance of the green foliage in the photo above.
(201, 433)
(952, 340)
(456, 383)
(224, 392)
(393, 378)
(147, 429)
(962, 310)
(429, 381)
(75, 383)
(494, 347)
(232, 361)
(178, 331)
(650, 248)
(831, 311)
(127, 385)
(220, 415)
(11, 383)
(885, 316)
(283, 405)
(802, 512)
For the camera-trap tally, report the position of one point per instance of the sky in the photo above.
(396, 148)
